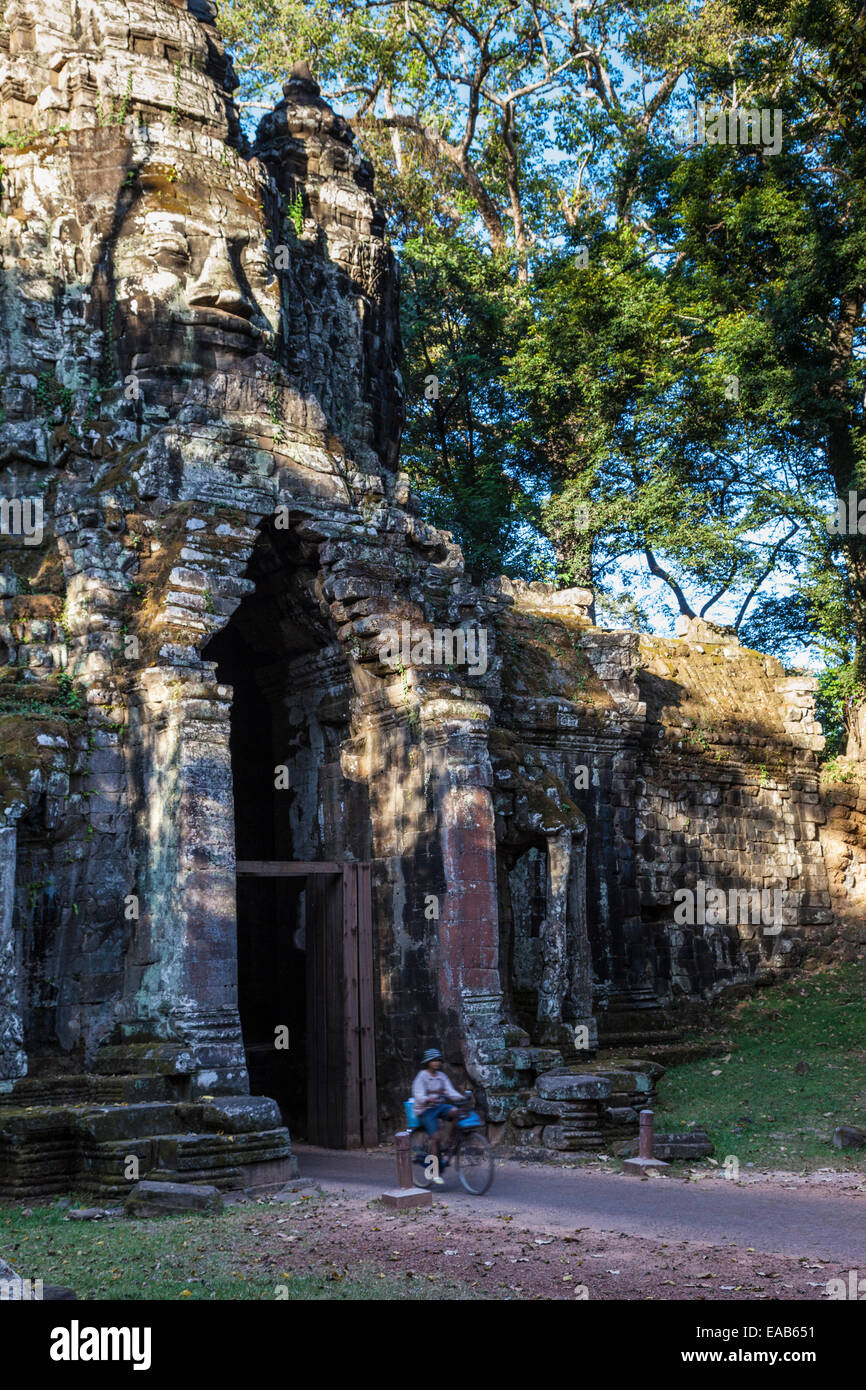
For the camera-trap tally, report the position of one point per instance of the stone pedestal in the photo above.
(407, 1197)
(642, 1167)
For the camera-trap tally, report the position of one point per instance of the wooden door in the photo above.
(341, 1057)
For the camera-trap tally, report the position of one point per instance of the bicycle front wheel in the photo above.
(474, 1163)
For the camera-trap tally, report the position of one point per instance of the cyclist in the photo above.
(431, 1092)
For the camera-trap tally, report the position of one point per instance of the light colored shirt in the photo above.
(432, 1088)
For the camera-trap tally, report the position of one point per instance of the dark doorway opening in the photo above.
(340, 1049)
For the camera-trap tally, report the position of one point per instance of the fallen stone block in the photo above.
(654, 1070)
(695, 1143)
(849, 1137)
(289, 1193)
(570, 1086)
(163, 1198)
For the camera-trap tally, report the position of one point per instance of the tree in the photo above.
(647, 353)
(462, 310)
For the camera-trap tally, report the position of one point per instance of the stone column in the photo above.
(554, 938)
(579, 949)
(469, 984)
(188, 939)
(13, 1059)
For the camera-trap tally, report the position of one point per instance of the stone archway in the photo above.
(289, 724)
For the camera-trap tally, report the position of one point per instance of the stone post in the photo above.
(645, 1137)
(404, 1159)
(405, 1194)
(644, 1164)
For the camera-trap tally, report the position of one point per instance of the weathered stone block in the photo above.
(566, 1139)
(166, 1198)
(622, 1116)
(569, 1086)
(849, 1137)
(240, 1114)
(694, 1143)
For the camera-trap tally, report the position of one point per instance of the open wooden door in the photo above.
(341, 1056)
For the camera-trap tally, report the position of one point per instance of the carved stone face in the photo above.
(194, 283)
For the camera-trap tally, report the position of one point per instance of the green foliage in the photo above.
(837, 688)
(462, 444)
(174, 115)
(71, 696)
(17, 139)
(49, 395)
(295, 211)
(94, 393)
(586, 426)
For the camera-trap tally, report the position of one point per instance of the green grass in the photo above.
(758, 1108)
(232, 1255)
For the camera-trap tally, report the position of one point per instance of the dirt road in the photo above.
(787, 1220)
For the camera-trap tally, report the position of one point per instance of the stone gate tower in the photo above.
(219, 617)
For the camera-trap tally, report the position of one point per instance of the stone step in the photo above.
(668, 1053)
(151, 1059)
(139, 1121)
(633, 1020)
(640, 998)
(632, 1040)
(85, 1089)
(42, 1165)
(534, 1058)
(235, 1141)
(224, 1160)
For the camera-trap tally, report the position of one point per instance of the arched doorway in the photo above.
(294, 807)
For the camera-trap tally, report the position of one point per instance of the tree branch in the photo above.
(656, 569)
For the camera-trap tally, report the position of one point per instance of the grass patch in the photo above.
(756, 1105)
(232, 1255)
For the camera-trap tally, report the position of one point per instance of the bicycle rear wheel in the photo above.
(474, 1162)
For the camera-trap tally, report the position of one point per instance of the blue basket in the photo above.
(470, 1121)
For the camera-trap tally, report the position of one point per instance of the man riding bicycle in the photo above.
(431, 1094)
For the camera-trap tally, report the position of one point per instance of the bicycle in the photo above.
(468, 1149)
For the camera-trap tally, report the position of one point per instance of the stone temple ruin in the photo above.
(249, 865)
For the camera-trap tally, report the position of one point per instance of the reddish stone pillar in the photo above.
(469, 925)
